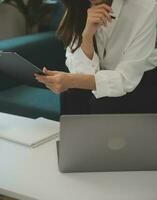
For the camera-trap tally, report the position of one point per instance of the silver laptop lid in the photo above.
(112, 142)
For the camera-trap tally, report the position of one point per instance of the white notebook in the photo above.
(26, 131)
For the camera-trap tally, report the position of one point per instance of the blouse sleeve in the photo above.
(139, 57)
(78, 62)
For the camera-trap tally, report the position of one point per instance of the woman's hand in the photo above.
(97, 15)
(54, 80)
(61, 81)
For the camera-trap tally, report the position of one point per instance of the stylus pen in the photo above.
(113, 17)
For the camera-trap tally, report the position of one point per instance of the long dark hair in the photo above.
(73, 22)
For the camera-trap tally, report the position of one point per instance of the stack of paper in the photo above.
(26, 131)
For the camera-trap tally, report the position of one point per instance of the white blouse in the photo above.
(130, 49)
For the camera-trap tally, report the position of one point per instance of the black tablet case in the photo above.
(18, 67)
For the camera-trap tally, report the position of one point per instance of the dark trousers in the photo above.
(142, 100)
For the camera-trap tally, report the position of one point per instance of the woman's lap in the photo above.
(135, 102)
(75, 101)
(73, 104)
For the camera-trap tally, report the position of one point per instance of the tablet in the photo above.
(18, 67)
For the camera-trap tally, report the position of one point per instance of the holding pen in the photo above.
(107, 2)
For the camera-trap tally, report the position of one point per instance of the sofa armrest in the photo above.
(42, 49)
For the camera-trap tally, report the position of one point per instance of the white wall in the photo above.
(12, 23)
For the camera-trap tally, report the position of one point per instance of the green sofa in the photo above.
(32, 101)
(42, 49)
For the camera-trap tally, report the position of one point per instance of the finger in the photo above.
(105, 14)
(98, 20)
(45, 70)
(40, 80)
(104, 6)
(102, 18)
(49, 72)
(38, 75)
(45, 79)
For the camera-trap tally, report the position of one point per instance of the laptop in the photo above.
(107, 142)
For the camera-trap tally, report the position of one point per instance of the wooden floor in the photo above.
(5, 198)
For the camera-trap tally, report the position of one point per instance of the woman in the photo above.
(108, 50)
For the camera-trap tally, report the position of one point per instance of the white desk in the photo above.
(33, 174)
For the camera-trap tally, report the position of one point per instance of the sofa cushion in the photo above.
(30, 102)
